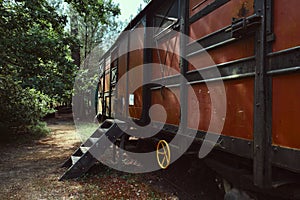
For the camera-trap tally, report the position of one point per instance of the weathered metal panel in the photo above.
(233, 51)
(286, 24)
(166, 56)
(107, 81)
(221, 17)
(169, 101)
(136, 59)
(196, 5)
(107, 63)
(239, 115)
(286, 110)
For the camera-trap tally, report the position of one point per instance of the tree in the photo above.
(92, 23)
(90, 19)
(142, 5)
(36, 68)
(36, 47)
(36, 65)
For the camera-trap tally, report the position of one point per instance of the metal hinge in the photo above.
(245, 26)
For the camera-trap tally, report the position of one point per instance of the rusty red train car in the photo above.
(254, 46)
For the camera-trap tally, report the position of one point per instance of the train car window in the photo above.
(114, 76)
(114, 71)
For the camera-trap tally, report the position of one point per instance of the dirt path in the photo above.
(31, 171)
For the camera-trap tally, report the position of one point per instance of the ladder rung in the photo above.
(102, 130)
(75, 159)
(93, 140)
(84, 149)
(82, 160)
(110, 120)
(119, 121)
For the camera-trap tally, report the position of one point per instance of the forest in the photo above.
(42, 45)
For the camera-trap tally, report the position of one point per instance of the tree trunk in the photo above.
(75, 48)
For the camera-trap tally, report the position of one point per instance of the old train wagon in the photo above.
(254, 44)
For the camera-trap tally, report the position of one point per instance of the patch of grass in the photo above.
(39, 130)
(85, 130)
(27, 134)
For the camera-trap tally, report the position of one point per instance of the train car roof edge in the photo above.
(132, 24)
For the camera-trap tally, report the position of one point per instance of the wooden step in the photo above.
(75, 159)
(102, 130)
(93, 140)
(82, 160)
(90, 142)
(99, 132)
(84, 149)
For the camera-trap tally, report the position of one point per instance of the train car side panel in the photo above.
(136, 58)
(286, 110)
(239, 115)
(219, 18)
(230, 52)
(165, 54)
(286, 24)
(171, 104)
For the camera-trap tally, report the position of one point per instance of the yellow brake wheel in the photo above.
(163, 154)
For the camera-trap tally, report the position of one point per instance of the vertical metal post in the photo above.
(103, 95)
(184, 30)
(262, 168)
(110, 85)
(147, 71)
(127, 76)
(116, 97)
(270, 25)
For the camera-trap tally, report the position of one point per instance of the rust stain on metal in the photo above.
(244, 9)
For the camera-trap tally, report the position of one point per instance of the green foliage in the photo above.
(85, 130)
(91, 21)
(35, 47)
(38, 130)
(21, 109)
(99, 10)
(37, 69)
